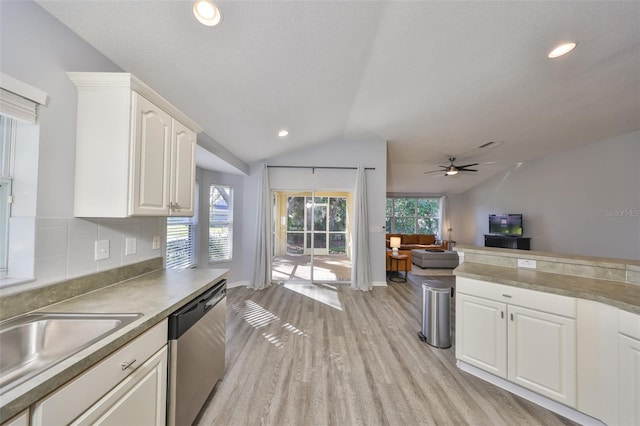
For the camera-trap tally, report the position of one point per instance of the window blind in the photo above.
(181, 239)
(19, 100)
(220, 223)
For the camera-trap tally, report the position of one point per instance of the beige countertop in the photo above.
(622, 295)
(155, 295)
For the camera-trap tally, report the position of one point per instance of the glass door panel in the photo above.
(310, 233)
(316, 227)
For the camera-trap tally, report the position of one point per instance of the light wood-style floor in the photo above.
(327, 355)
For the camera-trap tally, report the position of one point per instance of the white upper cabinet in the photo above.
(151, 158)
(183, 172)
(135, 152)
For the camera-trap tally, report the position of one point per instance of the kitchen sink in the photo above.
(31, 343)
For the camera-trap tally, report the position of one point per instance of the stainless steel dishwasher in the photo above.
(196, 353)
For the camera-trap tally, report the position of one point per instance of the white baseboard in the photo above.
(237, 284)
(379, 284)
(542, 401)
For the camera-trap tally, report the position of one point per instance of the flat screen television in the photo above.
(506, 224)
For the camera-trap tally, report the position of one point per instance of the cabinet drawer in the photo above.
(629, 324)
(541, 301)
(68, 402)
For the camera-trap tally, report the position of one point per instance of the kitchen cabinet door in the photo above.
(542, 353)
(629, 380)
(481, 333)
(151, 156)
(21, 419)
(139, 400)
(183, 170)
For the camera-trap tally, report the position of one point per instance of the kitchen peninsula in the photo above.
(562, 331)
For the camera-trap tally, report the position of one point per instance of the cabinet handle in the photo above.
(126, 365)
(501, 314)
(508, 296)
(511, 317)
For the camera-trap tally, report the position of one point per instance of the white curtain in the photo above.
(262, 261)
(445, 224)
(361, 266)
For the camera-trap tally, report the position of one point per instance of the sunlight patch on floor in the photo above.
(326, 268)
(293, 329)
(257, 316)
(322, 293)
(273, 339)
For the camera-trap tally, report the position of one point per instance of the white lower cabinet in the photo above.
(542, 353)
(21, 419)
(126, 388)
(629, 368)
(481, 333)
(139, 400)
(524, 336)
(597, 360)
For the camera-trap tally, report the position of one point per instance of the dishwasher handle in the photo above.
(185, 317)
(214, 299)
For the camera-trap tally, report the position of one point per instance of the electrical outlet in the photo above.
(156, 242)
(129, 246)
(101, 249)
(527, 263)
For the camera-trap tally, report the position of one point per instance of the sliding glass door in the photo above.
(311, 235)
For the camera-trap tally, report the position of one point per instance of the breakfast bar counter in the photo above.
(615, 282)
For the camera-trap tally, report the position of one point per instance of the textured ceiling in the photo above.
(435, 79)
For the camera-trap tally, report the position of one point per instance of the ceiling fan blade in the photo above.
(467, 165)
(433, 171)
(466, 170)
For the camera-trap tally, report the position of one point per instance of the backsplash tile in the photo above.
(50, 240)
(65, 247)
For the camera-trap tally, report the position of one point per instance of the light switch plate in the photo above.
(129, 246)
(101, 249)
(156, 242)
(527, 263)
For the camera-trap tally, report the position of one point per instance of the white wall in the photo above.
(368, 153)
(206, 178)
(38, 50)
(585, 201)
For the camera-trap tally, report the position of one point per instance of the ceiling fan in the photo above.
(452, 169)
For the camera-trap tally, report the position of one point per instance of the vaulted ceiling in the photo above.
(435, 79)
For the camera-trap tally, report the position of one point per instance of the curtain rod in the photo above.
(313, 168)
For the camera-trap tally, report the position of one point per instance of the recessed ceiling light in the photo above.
(282, 133)
(561, 50)
(207, 13)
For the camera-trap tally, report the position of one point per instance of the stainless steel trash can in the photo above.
(436, 314)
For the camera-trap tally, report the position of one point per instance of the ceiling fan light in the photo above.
(451, 171)
(207, 13)
(562, 50)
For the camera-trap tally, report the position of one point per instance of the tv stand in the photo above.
(505, 241)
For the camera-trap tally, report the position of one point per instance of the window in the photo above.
(413, 215)
(182, 239)
(7, 137)
(220, 223)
